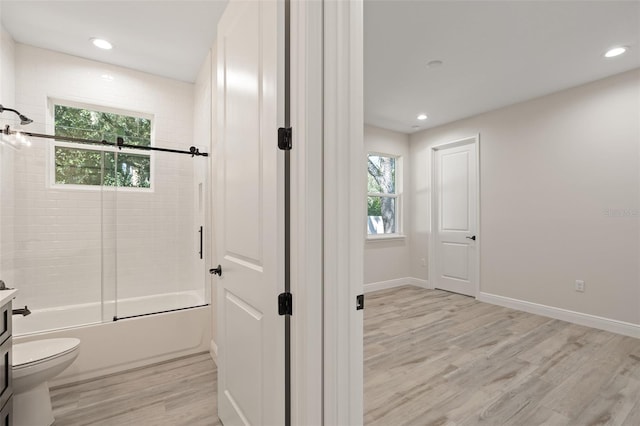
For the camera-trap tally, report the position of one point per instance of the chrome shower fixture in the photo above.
(23, 119)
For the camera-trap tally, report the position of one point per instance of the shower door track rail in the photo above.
(193, 151)
(117, 318)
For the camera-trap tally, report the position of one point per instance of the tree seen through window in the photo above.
(79, 166)
(382, 194)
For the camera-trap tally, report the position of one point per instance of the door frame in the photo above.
(344, 211)
(328, 206)
(307, 182)
(470, 140)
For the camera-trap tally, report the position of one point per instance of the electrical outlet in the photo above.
(580, 286)
(423, 261)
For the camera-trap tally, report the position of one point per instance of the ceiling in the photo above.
(167, 38)
(494, 53)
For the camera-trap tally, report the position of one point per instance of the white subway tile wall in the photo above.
(7, 190)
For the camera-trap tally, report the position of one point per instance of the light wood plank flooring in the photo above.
(431, 358)
(175, 393)
(438, 358)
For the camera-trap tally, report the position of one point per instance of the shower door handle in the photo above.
(216, 271)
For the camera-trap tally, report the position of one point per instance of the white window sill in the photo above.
(76, 187)
(385, 237)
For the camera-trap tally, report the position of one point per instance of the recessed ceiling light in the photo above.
(434, 64)
(101, 43)
(615, 51)
(422, 117)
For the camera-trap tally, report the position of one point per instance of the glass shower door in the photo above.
(161, 237)
(53, 204)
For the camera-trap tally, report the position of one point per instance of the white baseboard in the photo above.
(213, 351)
(398, 282)
(383, 285)
(614, 326)
(420, 283)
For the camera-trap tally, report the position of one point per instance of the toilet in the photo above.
(34, 364)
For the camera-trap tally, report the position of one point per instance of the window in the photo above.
(383, 195)
(86, 164)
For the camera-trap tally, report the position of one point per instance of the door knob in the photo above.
(473, 237)
(216, 271)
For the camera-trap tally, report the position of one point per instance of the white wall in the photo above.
(58, 232)
(560, 197)
(7, 193)
(7, 71)
(386, 260)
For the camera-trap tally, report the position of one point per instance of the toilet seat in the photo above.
(29, 354)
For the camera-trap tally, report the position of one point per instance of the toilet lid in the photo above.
(40, 350)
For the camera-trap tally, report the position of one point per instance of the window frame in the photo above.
(397, 196)
(50, 124)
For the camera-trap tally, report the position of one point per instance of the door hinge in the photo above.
(285, 304)
(285, 138)
(359, 302)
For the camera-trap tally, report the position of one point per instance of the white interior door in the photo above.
(249, 215)
(455, 207)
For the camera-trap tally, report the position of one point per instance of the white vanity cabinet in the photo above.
(6, 388)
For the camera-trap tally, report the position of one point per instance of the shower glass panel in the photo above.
(158, 233)
(51, 238)
(109, 241)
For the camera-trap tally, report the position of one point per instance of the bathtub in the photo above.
(114, 346)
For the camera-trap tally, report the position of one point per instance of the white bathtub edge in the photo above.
(111, 348)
